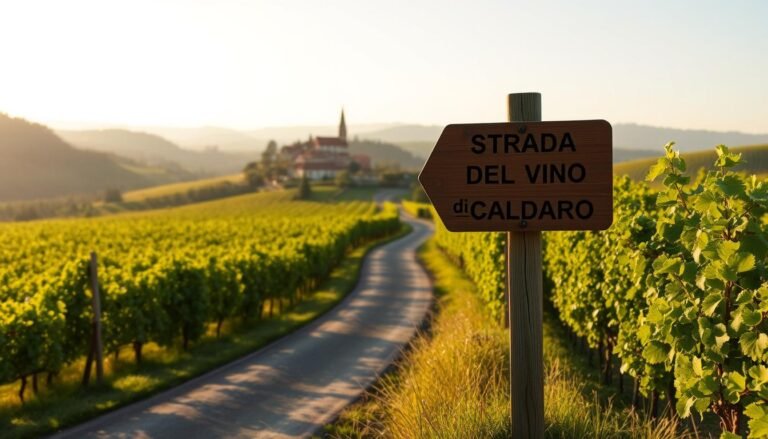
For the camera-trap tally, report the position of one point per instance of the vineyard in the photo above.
(166, 276)
(675, 292)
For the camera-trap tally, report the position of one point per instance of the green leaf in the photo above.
(735, 383)
(656, 352)
(742, 262)
(729, 435)
(759, 377)
(726, 248)
(755, 410)
(684, 406)
(698, 370)
(758, 420)
(664, 265)
(709, 305)
(725, 158)
(731, 185)
(657, 169)
(666, 198)
(750, 316)
(708, 385)
(689, 271)
(708, 203)
(727, 273)
(754, 345)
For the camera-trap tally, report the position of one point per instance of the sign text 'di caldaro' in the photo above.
(525, 176)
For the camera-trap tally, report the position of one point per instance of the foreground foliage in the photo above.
(677, 288)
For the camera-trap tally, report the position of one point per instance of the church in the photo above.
(322, 158)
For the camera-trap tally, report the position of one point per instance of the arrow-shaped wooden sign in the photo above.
(522, 176)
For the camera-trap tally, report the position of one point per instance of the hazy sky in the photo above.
(248, 64)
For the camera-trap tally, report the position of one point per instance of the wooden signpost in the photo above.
(522, 177)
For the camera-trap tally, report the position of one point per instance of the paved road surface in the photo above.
(299, 383)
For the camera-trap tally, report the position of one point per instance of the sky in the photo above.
(252, 64)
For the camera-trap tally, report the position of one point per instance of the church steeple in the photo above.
(342, 127)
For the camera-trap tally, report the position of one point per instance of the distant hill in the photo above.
(755, 157)
(290, 134)
(625, 155)
(419, 139)
(633, 136)
(36, 163)
(406, 133)
(423, 149)
(418, 148)
(155, 150)
(207, 138)
(382, 153)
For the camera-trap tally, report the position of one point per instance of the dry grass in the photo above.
(453, 383)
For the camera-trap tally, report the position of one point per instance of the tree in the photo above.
(269, 156)
(305, 189)
(354, 167)
(343, 180)
(254, 175)
(113, 196)
(418, 194)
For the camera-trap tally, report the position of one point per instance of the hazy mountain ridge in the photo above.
(630, 141)
(208, 138)
(36, 163)
(625, 135)
(636, 136)
(155, 150)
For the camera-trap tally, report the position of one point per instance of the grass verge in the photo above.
(68, 403)
(453, 383)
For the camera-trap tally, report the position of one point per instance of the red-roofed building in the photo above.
(324, 157)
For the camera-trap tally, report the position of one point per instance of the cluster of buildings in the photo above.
(322, 158)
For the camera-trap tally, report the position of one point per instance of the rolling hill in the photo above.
(422, 149)
(755, 157)
(155, 150)
(209, 137)
(406, 133)
(36, 163)
(382, 153)
(634, 136)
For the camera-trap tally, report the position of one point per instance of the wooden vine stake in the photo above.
(97, 347)
(522, 177)
(525, 307)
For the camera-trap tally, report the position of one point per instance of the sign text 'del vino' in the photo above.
(525, 176)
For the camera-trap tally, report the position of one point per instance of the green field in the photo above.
(755, 162)
(182, 290)
(175, 188)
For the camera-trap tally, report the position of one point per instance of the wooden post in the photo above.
(96, 303)
(524, 284)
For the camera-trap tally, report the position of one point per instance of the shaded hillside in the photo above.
(755, 157)
(155, 150)
(633, 136)
(382, 154)
(36, 163)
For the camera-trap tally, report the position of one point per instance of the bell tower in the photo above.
(342, 127)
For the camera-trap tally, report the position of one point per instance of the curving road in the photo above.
(294, 386)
